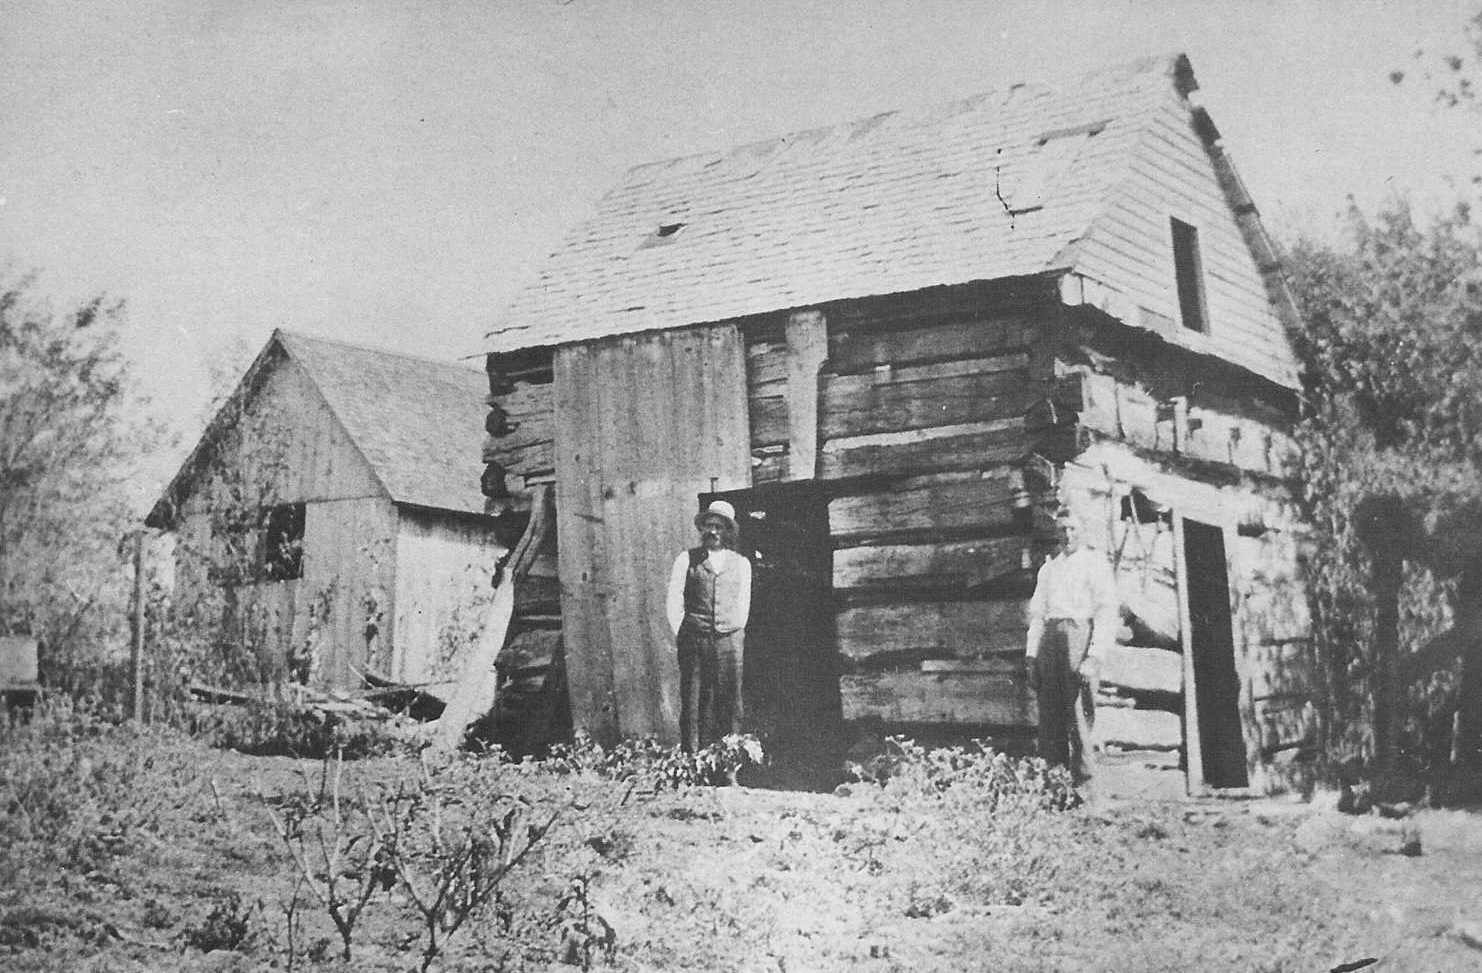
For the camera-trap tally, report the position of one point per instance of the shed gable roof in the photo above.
(417, 422)
(995, 186)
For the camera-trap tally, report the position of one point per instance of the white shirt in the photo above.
(1078, 585)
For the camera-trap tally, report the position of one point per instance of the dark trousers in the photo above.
(1067, 708)
(709, 685)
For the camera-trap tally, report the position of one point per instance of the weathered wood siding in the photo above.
(339, 614)
(1130, 249)
(1270, 624)
(287, 447)
(349, 585)
(444, 566)
(643, 425)
(923, 434)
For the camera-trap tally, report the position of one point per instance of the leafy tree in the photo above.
(72, 431)
(1392, 478)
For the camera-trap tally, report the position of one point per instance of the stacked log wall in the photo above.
(519, 456)
(923, 436)
(519, 445)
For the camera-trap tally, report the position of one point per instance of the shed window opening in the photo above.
(1188, 271)
(283, 543)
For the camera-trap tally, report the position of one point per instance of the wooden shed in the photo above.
(896, 344)
(329, 520)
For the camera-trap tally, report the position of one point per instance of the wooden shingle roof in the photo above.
(980, 189)
(1001, 185)
(418, 422)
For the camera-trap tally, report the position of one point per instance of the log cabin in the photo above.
(896, 345)
(329, 519)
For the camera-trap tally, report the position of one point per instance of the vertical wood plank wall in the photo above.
(643, 425)
(443, 569)
(350, 569)
(289, 448)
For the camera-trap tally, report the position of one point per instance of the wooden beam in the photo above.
(923, 503)
(958, 565)
(807, 349)
(923, 397)
(769, 420)
(862, 351)
(1139, 669)
(995, 698)
(961, 447)
(944, 629)
(1139, 729)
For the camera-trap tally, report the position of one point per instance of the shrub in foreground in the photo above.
(77, 790)
(650, 763)
(990, 779)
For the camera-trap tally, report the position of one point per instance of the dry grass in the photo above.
(127, 849)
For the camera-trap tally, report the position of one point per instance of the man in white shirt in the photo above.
(1073, 619)
(708, 605)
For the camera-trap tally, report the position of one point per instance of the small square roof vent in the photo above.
(664, 234)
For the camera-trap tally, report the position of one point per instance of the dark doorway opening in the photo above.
(791, 678)
(1212, 647)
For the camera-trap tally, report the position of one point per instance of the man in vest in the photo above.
(708, 604)
(1073, 619)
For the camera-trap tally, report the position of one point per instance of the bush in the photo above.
(648, 762)
(998, 814)
(78, 789)
(445, 840)
(274, 728)
(990, 779)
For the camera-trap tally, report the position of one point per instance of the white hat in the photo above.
(718, 508)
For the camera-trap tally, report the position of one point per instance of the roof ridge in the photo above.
(1175, 64)
(293, 336)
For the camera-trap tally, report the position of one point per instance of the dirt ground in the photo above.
(750, 879)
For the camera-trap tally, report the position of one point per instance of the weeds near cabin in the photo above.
(331, 842)
(988, 778)
(284, 728)
(998, 812)
(445, 841)
(78, 791)
(229, 925)
(583, 929)
(649, 765)
(451, 854)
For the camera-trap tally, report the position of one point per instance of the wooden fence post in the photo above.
(136, 653)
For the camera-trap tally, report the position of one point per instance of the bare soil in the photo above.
(749, 879)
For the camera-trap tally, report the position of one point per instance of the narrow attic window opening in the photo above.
(1188, 270)
(663, 235)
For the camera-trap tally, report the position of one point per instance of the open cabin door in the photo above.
(1214, 740)
(791, 679)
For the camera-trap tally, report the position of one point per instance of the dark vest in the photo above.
(711, 601)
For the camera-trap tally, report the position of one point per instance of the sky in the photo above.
(391, 173)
